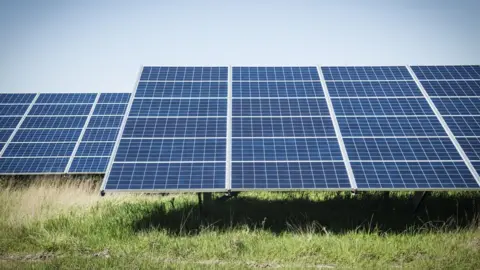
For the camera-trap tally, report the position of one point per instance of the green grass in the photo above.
(65, 224)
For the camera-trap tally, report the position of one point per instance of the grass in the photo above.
(63, 223)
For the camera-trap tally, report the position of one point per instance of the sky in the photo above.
(100, 46)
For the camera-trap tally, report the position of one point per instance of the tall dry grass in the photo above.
(39, 198)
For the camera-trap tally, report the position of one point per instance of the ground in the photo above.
(64, 223)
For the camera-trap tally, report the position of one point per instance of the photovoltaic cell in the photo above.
(110, 109)
(458, 106)
(32, 165)
(282, 149)
(401, 149)
(354, 73)
(167, 176)
(447, 72)
(9, 122)
(179, 107)
(105, 121)
(463, 125)
(380, 107)
(452, 88)
(175, 127)
(373, 89)
(390, 126)
(171, 150)
(47, 135)
(279, 107)
(5, 134)
(413, 175)
(100, 135)
(39, 150)
(289, 175)
(163, 89)
(61, 110)
(89, 165)
(13, 109)
(114, 98)
(282, 127)
(184, 74)
(277, 89)
(66, 98)
(54, 122)
(471, 146)
(16, 98)
(275, 74)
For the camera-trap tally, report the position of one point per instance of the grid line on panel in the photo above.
(74, 152)
(462, 153)
(120, 132)
(19, 125)
(228, 146)
(338, 132)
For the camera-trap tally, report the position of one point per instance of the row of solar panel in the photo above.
(64, 98)
(46, 144)
(275, 89)
(309, 73)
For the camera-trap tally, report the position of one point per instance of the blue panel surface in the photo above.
(463, 125)
(279, 107)
(32, 165)
(175, 127)
(5, 134)
(390, 126)
(289, 175)
(275, 74)
(114, 98)
(89, 165)
(66, 98)
(366, 73)
(90, 149)
(16, 98)
(39, 149)
(447, 72)
(471, 146)
(9, 122)
(184, 74)
(452, 88)
(277, 89)
(70, 109)
(167, 176)
(171, 150)
(54, 122)
(13, 109)
(110, 109)
(100, 135)
(182, 89)
(413, 175)
(373, 89)
(282, 127)
(47, 135)
(281, 149)
(383, 106)
(105, 122)
(401, 149)
(458, 106)
(179, 107)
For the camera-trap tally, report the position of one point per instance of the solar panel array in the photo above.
(59, 133)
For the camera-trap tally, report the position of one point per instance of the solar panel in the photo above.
(13, 109)
(282, 127)
(373, 89)
(16, 98)
(452, 88)
(275, 74)
(174, 137)
(382, 107)
(110, 109)
(274, 89)
(357, 73)
(47, 135)
(447, 72)
(279, 107)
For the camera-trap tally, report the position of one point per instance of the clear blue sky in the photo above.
(92, 46)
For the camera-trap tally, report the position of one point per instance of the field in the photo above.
(64, 223)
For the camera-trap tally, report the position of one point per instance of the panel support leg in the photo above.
(418, 198)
